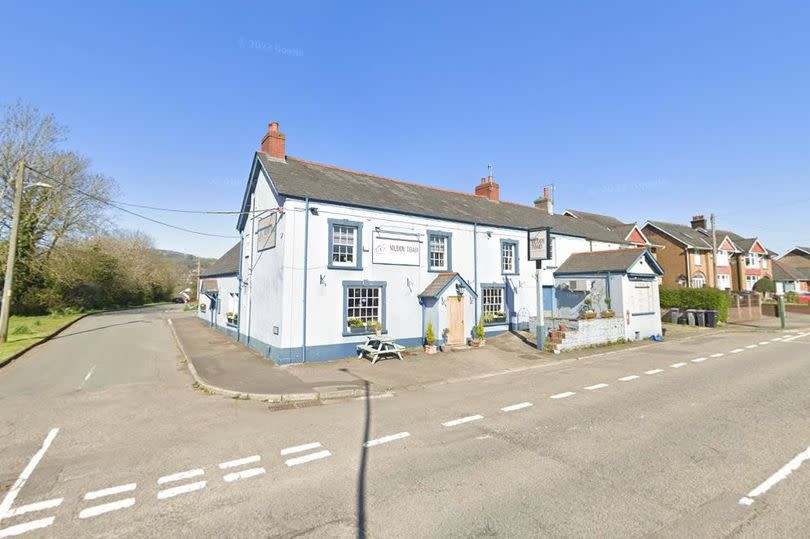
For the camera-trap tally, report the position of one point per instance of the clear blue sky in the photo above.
(643, 110)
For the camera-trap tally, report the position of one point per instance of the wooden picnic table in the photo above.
(377, 346)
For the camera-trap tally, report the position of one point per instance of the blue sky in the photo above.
(642, 110)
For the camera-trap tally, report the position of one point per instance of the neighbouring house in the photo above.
(219, 292)
(792, 271)
(629, 231)
(329, 254)
(620, 288)
(685, 254)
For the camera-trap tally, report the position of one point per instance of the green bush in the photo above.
(430, 337)
(765, 285)
(696, 298)
(791, 297)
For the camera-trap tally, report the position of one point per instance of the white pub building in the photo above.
(328, 254)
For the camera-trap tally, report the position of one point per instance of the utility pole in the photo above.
(5, 309)
(714, 249)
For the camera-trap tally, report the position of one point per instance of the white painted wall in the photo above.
(227, 299)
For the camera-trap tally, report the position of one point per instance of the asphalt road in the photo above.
(655, 441)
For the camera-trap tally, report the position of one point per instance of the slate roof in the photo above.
(604, 220)
(227, 264)
(787, 272)
(440, 283)
(701, 238)
(616, 261)
(297, 178)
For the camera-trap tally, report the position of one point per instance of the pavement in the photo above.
(102, 435)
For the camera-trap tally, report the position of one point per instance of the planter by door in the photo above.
(455, 320)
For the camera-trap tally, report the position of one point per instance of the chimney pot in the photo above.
(698, 221)
(274, 142)
(545, 203)
(488, 189)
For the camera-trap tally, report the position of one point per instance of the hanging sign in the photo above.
(395, 250)
(540, 244)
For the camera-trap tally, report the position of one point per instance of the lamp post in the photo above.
(5, 308)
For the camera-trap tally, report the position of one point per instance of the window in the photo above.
(345, 244)
(752, 260)
(509, 257)
(643, 299)
(364, 307)
(266, 233)
(439, 245)
(492, 305)
(722, 258)
(697, 259)
(723, 281)
(750, 281)
(765, 263)
(698, 281)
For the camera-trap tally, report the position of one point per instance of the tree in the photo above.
(764, 286)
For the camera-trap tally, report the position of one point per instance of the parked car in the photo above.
(182, 297)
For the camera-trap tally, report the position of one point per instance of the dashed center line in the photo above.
(26, 527)
(563, 395)
(300, 448)
(386, 439)
(239, 462)
(596, 386)
(678, 365)
(129, 487)
(180, 476)
(776, 339)
(308, 458)
(764, 343)
(654, 371)
(751, 346)
(699, 360)
(737, 351)
(106, 508)
(629, 378)
(181, 489)
(462, 420)
(243, 474)
(514, 407)
(718, 354)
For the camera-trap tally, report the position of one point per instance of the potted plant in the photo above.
(430, 339)
(608, 313)
(376, 326)
(587, 311)
(356, 325)
(478, 334)
(231, 317)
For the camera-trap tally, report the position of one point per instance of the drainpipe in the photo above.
(239, 290)
(475, 268)
(252, 248)
(688, 273)
(306, 260)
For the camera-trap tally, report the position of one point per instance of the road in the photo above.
(658, 441)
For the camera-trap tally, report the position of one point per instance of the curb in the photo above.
(45, 339)
(269, 397)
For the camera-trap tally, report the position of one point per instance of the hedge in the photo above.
(696, 298)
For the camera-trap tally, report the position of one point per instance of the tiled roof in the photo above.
(438, 284)
(615, 261)
(604, 220)
(701, 238)
(783, 271)
(300, 179)
(227, 264)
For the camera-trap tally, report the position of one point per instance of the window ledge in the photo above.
(362, 333)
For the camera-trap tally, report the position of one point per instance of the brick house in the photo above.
(792, 271)
(685, 253)
(629, 232)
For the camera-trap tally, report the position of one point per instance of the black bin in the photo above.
(711, 319)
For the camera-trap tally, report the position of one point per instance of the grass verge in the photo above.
(24, 331)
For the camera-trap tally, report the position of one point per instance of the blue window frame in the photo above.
(363, 304)
(345, 244)
(510, 261)
(493, 304)
(439, 251)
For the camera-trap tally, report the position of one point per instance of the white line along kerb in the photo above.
(781, 474)
(11, 495)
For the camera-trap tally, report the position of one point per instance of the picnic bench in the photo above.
(378, 346)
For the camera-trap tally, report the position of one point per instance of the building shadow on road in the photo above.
(65, 335)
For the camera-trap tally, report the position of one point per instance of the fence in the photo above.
(745, 306)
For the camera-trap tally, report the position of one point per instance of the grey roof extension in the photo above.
(616, 261)
(297, 178)
(227, 264)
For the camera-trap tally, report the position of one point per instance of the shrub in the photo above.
(22, 329)
(791, 297)
(479, 329)
(764, 286)
(696, 298)
(430, 338)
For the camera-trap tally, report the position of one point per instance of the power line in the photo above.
(116, 206)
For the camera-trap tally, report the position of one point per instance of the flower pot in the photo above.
(430, 349)
(608, 314)
(478, 343)
(358, 329)
(589, 315)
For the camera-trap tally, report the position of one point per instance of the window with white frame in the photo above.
(752, 260)
(697, 258)
(363, 307)
(698, 281)
(508, 257)
(764, 263)
(750, 281)
(492, 305)
(344, 245)
(723, 281)
(722, 258)
(438, 252)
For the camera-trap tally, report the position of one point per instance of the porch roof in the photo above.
(440, 284)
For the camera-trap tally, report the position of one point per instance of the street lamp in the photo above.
(5, 308)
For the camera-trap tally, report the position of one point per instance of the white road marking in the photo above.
(89, 374)
(182, 489)
(386, 439)
(776, 339)
(737, 351)
(308, 458)
(299, 448)
(654, 371)
(563, 395)
(31, 507)
(11, 495)
(11, 531)
(699, 360)
(129, 487)
(180, 476)
(629, 378)
(243, 474)
(764, 343)
(781, 474)
(461, 420)
(719, 354)
(239, 462)
(786, 339)
(678, 365)
(596, 386)
(106, 508)
(751, 346)
(513, 407)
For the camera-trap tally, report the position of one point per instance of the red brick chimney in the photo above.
(488, 189)
(699, 221)
(274, 142)
(545, 203)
